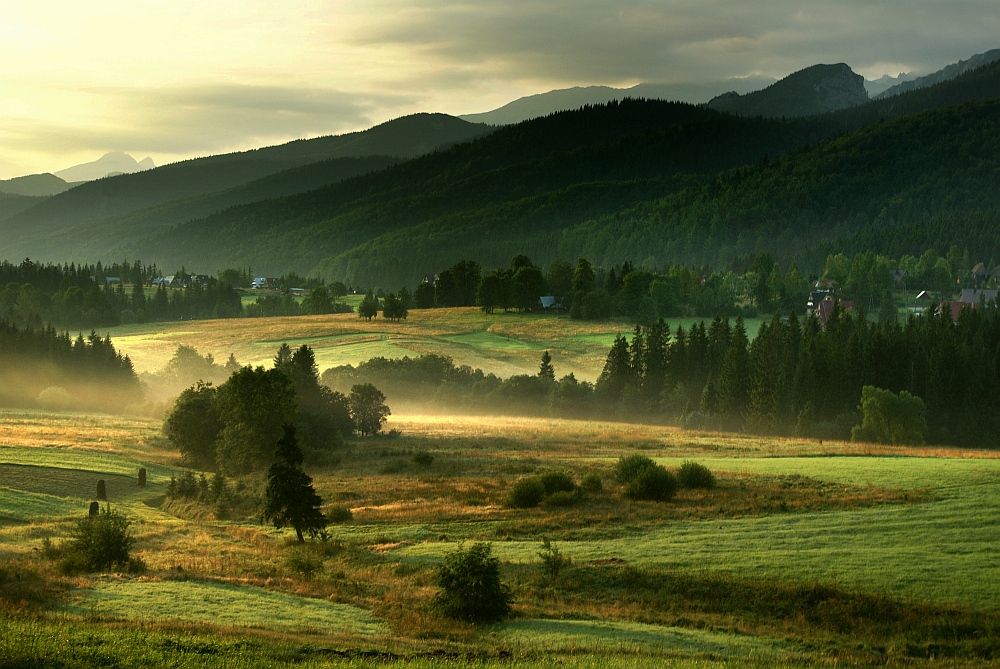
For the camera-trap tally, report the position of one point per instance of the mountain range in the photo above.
(797, 169)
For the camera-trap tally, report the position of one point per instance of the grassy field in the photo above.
(501, 343)
(804, 552)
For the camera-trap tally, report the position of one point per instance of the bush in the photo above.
(631, 466)
(562, 498)
(591, 483)
(101, 543)
(553, 561)
(888, 418)
(652, 483)
(557, 482)
(338, 513)
(695, 475)
(470, 586)
(423, 458)
(302, 560)
(526, 493)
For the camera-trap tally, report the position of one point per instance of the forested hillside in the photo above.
(406, 137)
(646, 181)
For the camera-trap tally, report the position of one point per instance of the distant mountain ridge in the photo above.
(944, 74)
(110, 164)
(564, 99)
(815, 90)
(405, 137)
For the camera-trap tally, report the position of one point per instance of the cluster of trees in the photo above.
(394, 306)
(434, 380)
(232, 428)
(800, 378)
(48, 367)
(926, 379)
(318, 301)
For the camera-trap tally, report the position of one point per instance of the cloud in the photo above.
(202, 118)
(595, 41)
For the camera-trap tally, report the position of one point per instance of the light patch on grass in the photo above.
(224, 604)
(21, 506)
(502, 343)
(942, 551)
(560, 636)
(95, 462)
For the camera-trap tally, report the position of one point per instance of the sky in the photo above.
(174, 79)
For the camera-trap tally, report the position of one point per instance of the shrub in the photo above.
(470, 586)
(888, 418)
(101, 543)
(423, 458)
(591, 483)
(695, 475)
(631, 466)
(301, 560)
(557, 482)
(562, 498)
(338, 513)
(652, 483)
(526, 493)
(553, 560)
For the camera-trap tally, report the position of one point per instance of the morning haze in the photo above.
(476, 334)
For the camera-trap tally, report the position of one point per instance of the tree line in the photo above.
(935, 377)
(43, 366)
(232, 428)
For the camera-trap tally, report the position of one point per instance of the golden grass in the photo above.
(501, 343)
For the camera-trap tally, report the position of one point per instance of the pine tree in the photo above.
(617, 371)
(734, 379)
(291, 500)
(546, 371)
(283, 359)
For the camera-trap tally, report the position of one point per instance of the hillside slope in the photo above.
(548, 173)
(35, 185)
(402, 138)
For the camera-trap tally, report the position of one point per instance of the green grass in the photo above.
(225, 605)
(23, 507)
(564, 636)
(72, 644)
(502, 343)
(97, 462)
(942, 550)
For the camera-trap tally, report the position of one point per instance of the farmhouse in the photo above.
(824, 310)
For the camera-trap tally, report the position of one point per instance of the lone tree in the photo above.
(546, 372)
(291, 499)
(470, 586)
(368, 408)
(368, 309)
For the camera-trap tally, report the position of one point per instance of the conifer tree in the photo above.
(546, 372)
(291, 500)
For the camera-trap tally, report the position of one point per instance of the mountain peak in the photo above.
(815, 90)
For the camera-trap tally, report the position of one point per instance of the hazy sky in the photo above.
(179, 78)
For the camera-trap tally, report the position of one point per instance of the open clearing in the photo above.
(909, 524)
(223, 604)
(502, 343)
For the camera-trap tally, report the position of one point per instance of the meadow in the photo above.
(502, 343)
(806, 551)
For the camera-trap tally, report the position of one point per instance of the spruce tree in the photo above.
(291, 500)
(546, 372)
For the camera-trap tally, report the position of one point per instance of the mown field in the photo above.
(502, 343)
(806, 552)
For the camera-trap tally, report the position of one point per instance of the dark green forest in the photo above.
(650, 182)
